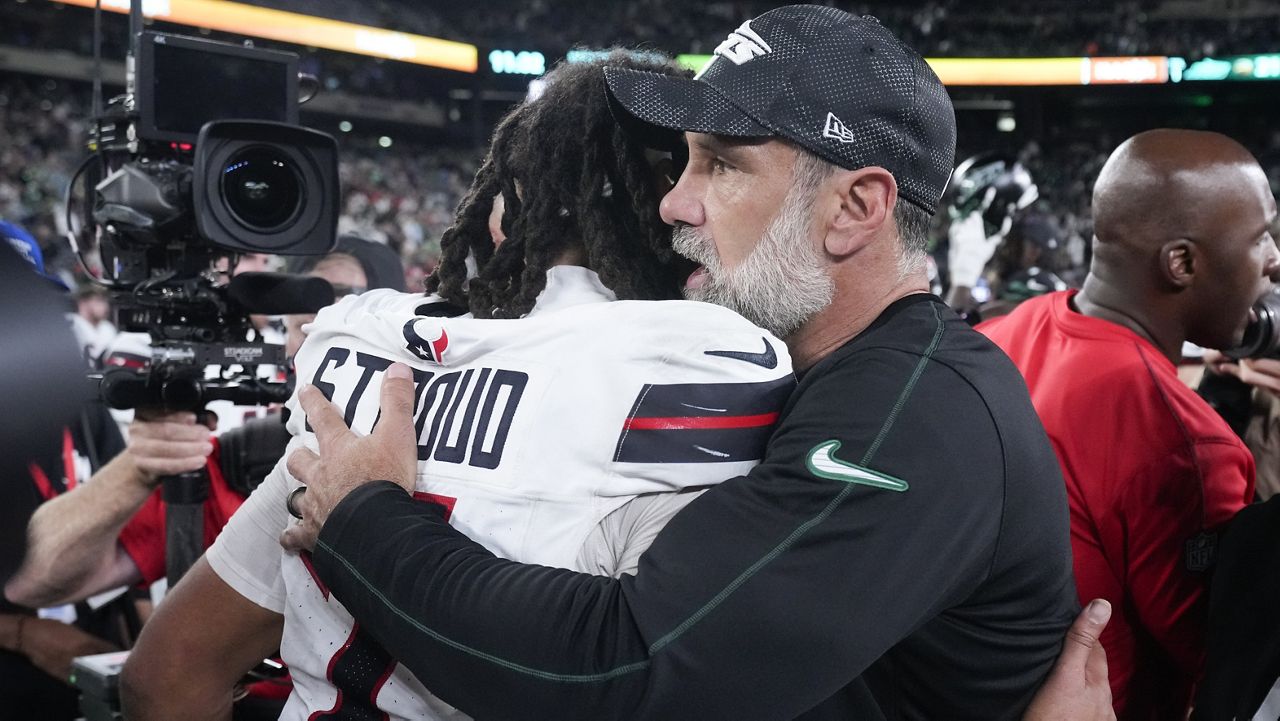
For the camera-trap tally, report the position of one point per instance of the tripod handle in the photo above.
(184, 495)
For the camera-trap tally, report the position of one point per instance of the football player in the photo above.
(628, 407)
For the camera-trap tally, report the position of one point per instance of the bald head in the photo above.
(1182, 247)
(1167, 184)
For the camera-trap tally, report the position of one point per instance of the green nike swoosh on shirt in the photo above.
(823, 463)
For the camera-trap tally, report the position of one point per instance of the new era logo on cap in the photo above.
(837, 130)
(838, 85)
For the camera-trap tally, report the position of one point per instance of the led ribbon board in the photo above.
(1027, 71)
(1238, 67)
(518, 62)
(299, 29)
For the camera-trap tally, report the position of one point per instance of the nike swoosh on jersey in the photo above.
(823, 463)
(767, 359)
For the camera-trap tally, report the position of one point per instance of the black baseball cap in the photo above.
(838, 85)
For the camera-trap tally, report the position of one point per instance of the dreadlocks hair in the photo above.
(568, 175)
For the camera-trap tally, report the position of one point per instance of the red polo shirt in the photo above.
(1151, 471)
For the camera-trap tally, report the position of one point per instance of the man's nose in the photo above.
(683, 203)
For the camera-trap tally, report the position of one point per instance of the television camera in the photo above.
(200, 161)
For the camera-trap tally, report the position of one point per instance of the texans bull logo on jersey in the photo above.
(428, 350)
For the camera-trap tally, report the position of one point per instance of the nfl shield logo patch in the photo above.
(1200, 551)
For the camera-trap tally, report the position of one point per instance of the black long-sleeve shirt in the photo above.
(901, 553)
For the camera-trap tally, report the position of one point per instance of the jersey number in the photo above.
(360, 668)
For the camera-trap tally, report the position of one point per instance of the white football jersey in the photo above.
(530, 432)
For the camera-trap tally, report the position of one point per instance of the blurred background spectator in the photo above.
(404, 194)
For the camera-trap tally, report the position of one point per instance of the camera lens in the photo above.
(262, 188)
(1262, 336)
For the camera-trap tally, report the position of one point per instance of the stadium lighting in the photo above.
(1051, 71)
(1025, 71)
(299, 29)
(384, 141)
(345, 126)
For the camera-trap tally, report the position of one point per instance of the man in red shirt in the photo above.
(1182, 250)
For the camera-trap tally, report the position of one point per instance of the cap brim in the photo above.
(676, 103)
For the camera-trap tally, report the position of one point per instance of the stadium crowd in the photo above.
(953, 28)
(405, 196)
(943, 28)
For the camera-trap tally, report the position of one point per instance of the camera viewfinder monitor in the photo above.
(186, 82)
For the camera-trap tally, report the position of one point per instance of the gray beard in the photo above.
(781, 284)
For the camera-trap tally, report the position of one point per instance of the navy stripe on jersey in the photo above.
(702, 422)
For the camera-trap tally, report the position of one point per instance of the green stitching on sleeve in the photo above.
(504, 663)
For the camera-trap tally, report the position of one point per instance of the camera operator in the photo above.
(38, 364)
(1246, 392)
(81, 542)
(1242, 667)
(110, 532)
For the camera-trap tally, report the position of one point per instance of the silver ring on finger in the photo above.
(290, 502)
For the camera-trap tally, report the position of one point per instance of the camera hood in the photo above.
(266, 187)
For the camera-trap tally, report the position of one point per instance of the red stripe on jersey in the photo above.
(377, 687)
(700, 422)
(328, 674)
(448, 502)
(305, 557)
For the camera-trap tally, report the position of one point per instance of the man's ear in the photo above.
(861, 210)
(1179, 261)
